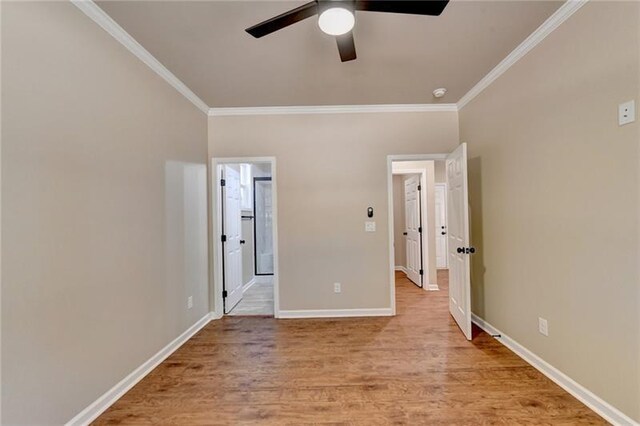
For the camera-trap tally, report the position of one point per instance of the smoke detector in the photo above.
(438, 93)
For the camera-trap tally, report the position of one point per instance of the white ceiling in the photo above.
(401, 58)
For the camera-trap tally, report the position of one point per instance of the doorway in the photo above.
(414, 248)
(444, 226)
(244, 239)
(420, 222)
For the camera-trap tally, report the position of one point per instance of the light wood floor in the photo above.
(415, 368)
(257, 300)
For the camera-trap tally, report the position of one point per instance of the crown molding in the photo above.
(554, 21)
(101, 18)
(331, 109)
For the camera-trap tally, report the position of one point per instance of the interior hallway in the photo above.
(257, 300)
(415, 368)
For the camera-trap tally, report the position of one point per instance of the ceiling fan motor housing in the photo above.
(328, 4)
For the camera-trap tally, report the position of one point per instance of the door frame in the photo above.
(446, 245)
(216, 231)
(390, 160)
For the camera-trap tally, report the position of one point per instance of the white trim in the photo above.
(248, 285)
(216, 232)
(433, 287)
(401, 269)
(331, 109)
(337, 313)
(584, 395)
(97, 407)
(392, 253)
(101, 18)
(562, 14)
(416, 157)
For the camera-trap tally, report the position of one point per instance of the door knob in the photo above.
(460, 250)
(404, 233)
(444, 233)
(242, 241)
(472, 250)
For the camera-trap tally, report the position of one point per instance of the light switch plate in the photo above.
(370, 226)
(626, 113)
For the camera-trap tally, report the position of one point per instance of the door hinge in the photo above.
(420, 229)
(419, 187)
(223, 238)
(421, 272)
(224, 293)
(223, 182)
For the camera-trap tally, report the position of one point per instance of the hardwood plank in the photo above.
(415, 368)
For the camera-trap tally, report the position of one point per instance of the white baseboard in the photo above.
(584, 395)
(100, 405)
(336, 313)
(433, 287)
(401, 269)
(248, 285)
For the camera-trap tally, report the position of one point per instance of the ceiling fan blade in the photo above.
(346, 47)
(281, 21)
(415, 7)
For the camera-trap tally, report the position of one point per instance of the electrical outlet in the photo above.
(543, 326)
(626, 113)
(337, 288)
(189, 302)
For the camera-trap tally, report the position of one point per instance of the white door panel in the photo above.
(458, 238)
(441, 225)
(412, 226)
(232, 231)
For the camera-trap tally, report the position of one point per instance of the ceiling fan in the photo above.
(336, 17)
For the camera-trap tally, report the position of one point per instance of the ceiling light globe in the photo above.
(336, 21)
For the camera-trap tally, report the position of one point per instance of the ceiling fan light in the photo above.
(336, 21)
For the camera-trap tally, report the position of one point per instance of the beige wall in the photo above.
(102, 212)
(554, 201)
(330, 168)
(399, 226)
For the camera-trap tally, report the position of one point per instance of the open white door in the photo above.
(458, 233)
(231, 238)
(441, 225)
(413, 229)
